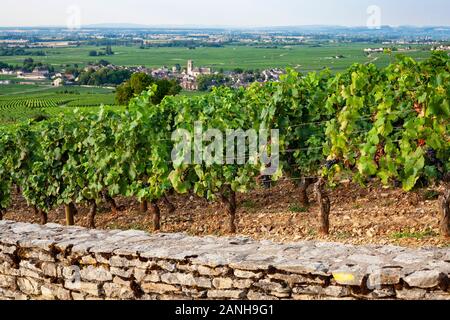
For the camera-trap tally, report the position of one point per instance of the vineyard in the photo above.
(390, 125)
(23, 107)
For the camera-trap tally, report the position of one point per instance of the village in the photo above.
(188, 77)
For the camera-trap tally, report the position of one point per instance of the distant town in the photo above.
(38, 49)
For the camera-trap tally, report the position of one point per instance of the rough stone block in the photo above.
(247, 274)
(92, 273)
(29, 286)
(226, 294)
(8, 282)
(159, 288)
(425, 279)
(223, 283)
(90, 288)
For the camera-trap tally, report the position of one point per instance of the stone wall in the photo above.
(55, 262)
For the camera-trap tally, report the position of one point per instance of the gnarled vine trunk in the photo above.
(303, 185)
(143, 206)
(229, 200)
(1, 214)
(70, 211)
(43, 218)
(169, 204)
(156, 212)
(92, 213)
(325, 206)
(112, 203)
(444, 204)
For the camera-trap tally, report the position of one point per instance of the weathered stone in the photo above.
(273, 287)
(90, 288)
(121, 262)
(293, 279)
(257, 296)
(117, 291)
(242, 284)
(101, 259)
(223, 283)
(88, 260)
(383, 293)
(212, 272)
(142, 276)
(8, 282)
(29, 286)
(383, 277)
(122, 272)
(304, 297)
(336, 291)
(8, 249)
(9, 269)
(185, 279)
(226, 294)
(51, 292)
(247, 274)
(308, 290)
(437, 295)
(92, 273)
(49, 269)
(194, 293)
(12, 294)
(305, 267)
(29, 269)
(78, 296)
(411, 294)
(425, 279)
(168, 266)
(160, 288)
(203, 282)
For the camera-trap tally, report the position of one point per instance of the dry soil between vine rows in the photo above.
(370, 215)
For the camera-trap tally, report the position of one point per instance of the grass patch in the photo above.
(343, 235)
(248, 204)
(414, 235)
(296, 208)
(133, 226)
(431, 195)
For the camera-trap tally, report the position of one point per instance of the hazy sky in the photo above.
(223, 12)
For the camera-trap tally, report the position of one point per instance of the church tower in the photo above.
(190, 67)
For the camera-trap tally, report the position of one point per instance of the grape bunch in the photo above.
(330, 163)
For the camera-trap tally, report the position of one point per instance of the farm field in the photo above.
(22, 101)
(304, 58)
(43, 100)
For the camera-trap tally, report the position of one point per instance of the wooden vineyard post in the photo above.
(92, 213)
(230, 203)
(156, 212)
(70, 211)
(325, 206)
(444, 206)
